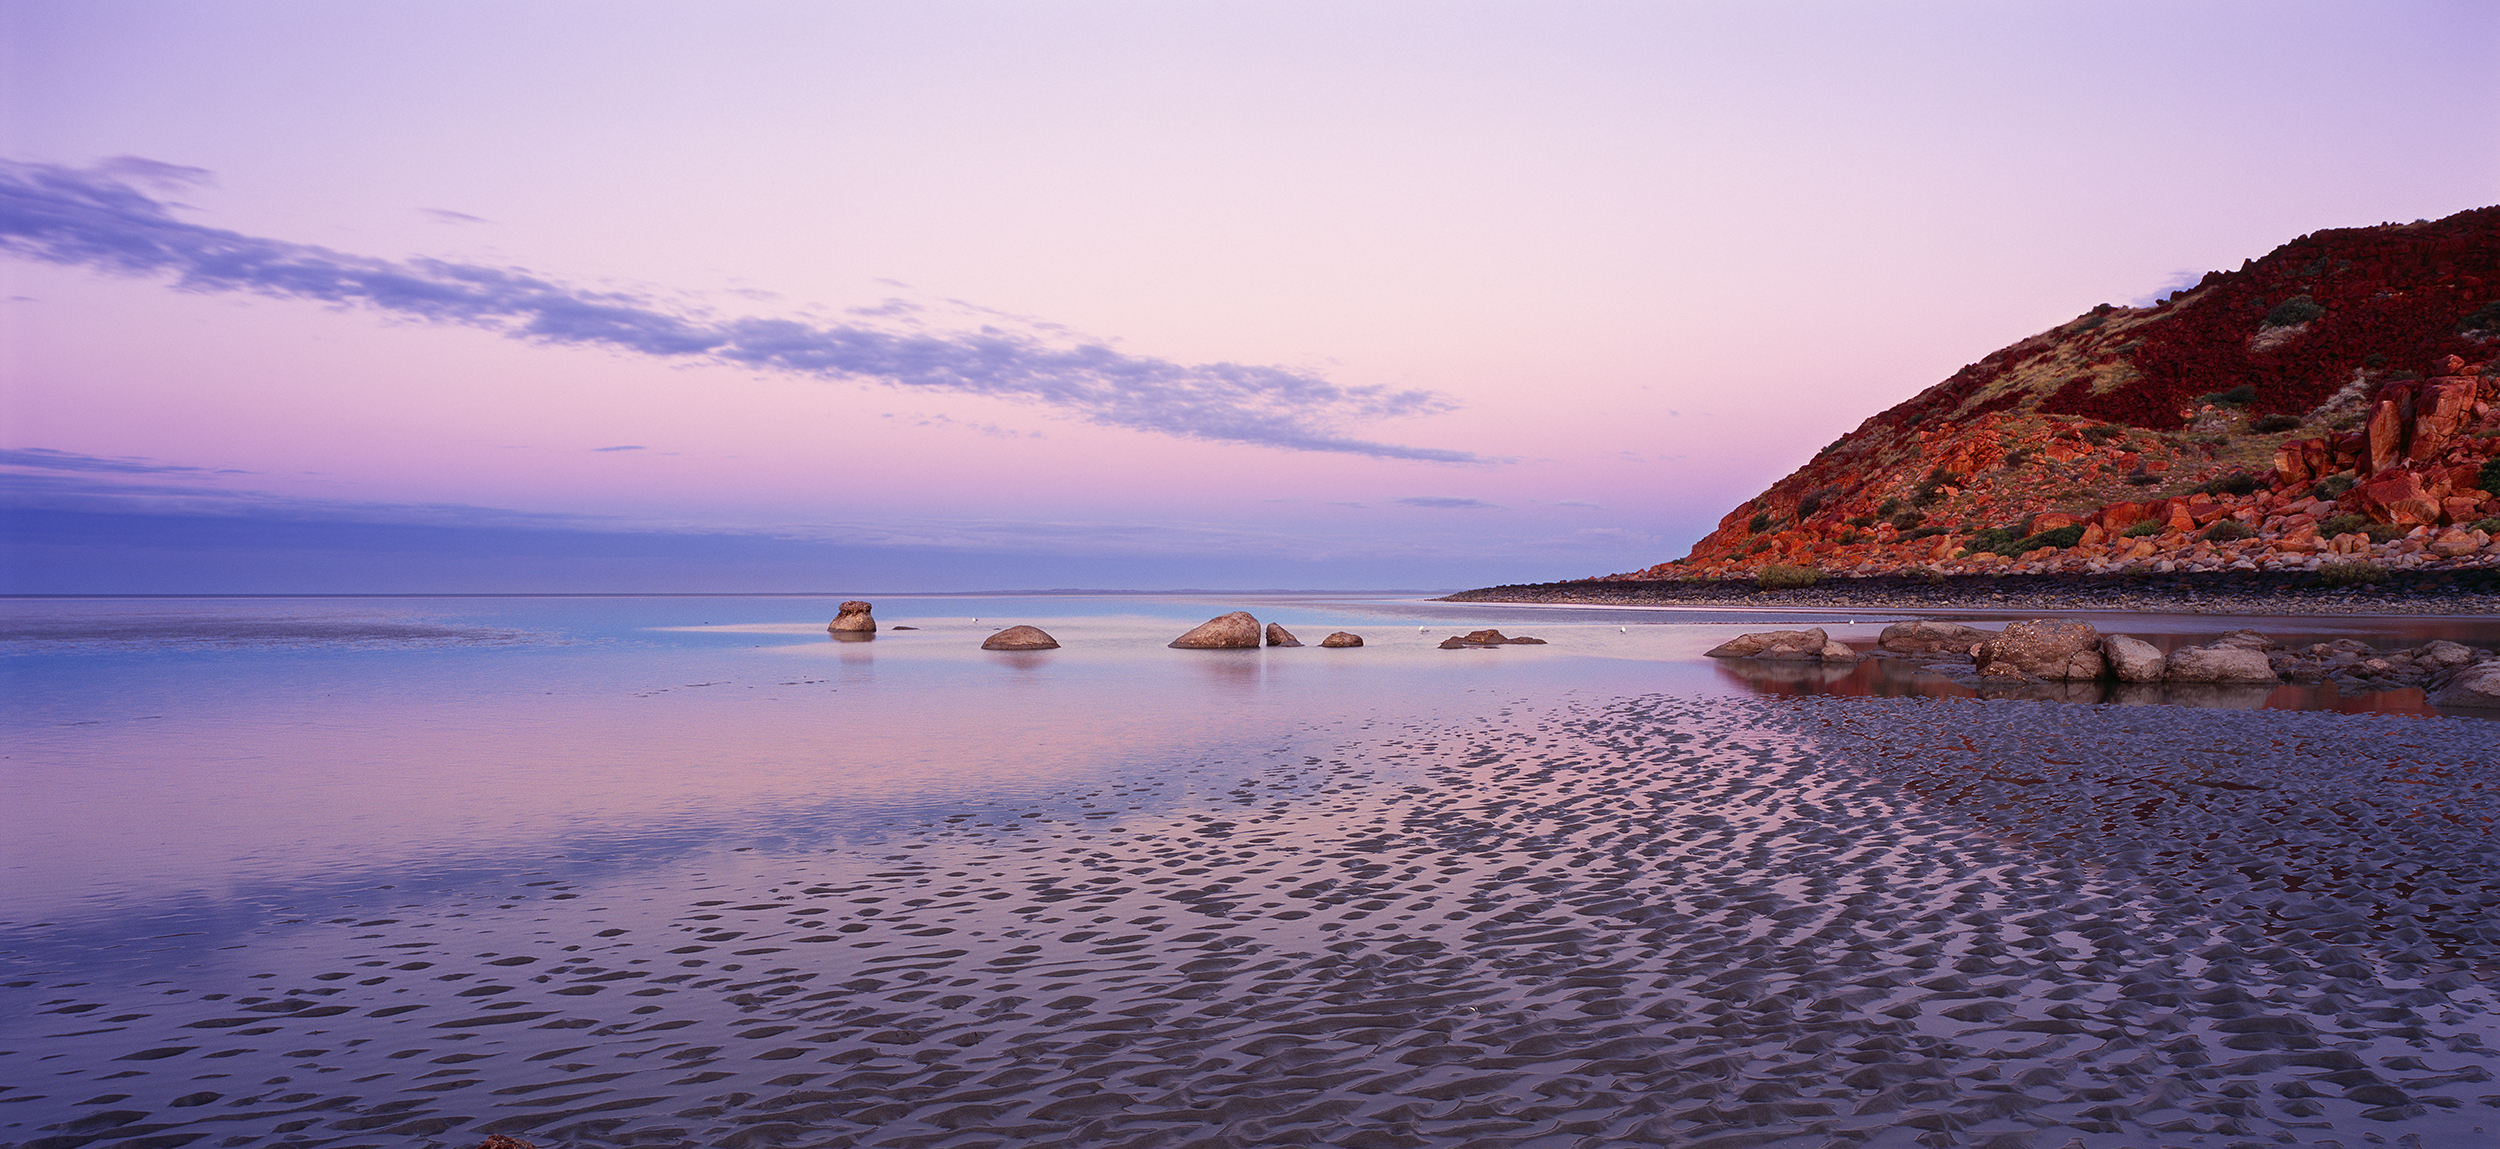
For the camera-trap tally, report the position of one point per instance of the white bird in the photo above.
(1622, 630)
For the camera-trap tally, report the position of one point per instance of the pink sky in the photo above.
(1640, 259)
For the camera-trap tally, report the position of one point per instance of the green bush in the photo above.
(1930, 532)
(2490, 526)
(1760, 523)
(1995, 540)
(2228, 531)
(2103, 432)
(2489, 480)
(2342, 525)
(1908, 521)
(2235, 483)
(2385, 532)
(2147, 527)
(2293, 312)
(2483, 319)
(2239, 396)
(2015, 458)
(2346, 572)
(2273, 424)
(2142, 479)
(1860, 521)
(2012, 541)
(1886, 508)
(2332, 487)
(1781, 576)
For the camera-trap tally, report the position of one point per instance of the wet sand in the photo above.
(1724, 922)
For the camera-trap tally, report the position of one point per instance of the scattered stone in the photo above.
(853, 619)
(1929, 637)
(2132, 659)
(1277, 635)
(2219, 663)
(1235, 631)
(2046, 649)
(1020, 638)
(1485, 638)
(1342, 639)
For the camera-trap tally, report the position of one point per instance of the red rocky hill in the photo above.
(2333, 401)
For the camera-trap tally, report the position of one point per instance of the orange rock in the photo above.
(2386, 434)
(2441, 408)
(2459, 510)
(2400, 499)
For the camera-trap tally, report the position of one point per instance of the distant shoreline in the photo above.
(2441, 593)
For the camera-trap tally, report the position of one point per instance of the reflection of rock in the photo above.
(1342, 639)
(1277, 635)
(1791, 645)
(1486, 638)
(2132, 659)
(854, 618)
(2082, 691)
(2217, 695)
(2043, 648)
(1235, 631)
(1788, 672)
(1929, 637)
(2476, 686)
(1020, 638)
(2218, 663)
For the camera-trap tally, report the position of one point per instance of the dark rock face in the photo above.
(1020, 638)
(1475, 640)
(1277, 635)
(1235, 631)
(1342, 639)
(2046, 649)
(854, 619)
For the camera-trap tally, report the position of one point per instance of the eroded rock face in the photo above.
(1020, 638)
(2043, 648)
(2476, 686)
(1342, 639)
(1277, 635)
(1797, 645)
(1235, 631)
(2133, 659)
(854, 619)
(1483, 638)
(2219, 663)
(1928, 637)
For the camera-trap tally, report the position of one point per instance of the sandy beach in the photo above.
(1720, 922)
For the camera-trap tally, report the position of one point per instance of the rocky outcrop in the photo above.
(2334, 401)
(2355, 666)
(2476, 686)
(1235, 631)
(1925, 636)
(2132, 659)
(2046, 649)
(1486, 638)
(853, 619)
(2218, 662)
(1339, 640)
(1020, 638)
(1808, 645)
(1277, 635)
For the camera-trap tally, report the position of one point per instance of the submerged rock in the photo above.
(1020, 638)
(1277, 635)
(1342, 639)
(1484, 638)
(854, 619)
(1235, 631)
(2044, 648)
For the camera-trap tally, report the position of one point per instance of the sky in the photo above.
(400, 297)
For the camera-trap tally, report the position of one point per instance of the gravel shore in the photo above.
(2467, 592)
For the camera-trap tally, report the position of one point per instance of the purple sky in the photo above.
(990, 295)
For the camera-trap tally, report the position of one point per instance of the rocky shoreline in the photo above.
(2428, 592)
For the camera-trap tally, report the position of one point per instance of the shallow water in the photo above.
(684, 871)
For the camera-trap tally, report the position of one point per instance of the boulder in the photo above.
(2043, 648)
(1341, 639)
(1277, 635)
(1020, 638)
(2476, 686)
(1837, 651)
(2132, 659)
(2440, 654)
(1235, 631)
(1800, 645)
(2219, 663)
(2246, 639)
(1485, 638)
(1929, 637)
(853, 619)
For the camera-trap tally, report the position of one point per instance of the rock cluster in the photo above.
(2050, 650)
(1239, 631)
(1484, 639)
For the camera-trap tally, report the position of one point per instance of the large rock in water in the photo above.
(1342, 639)
(1486, 638)
(2476, 686)
(2132, 659)
(1277, 635)
(1800, 645)
(2045, 648)
(2219, 663)
(853, 619)
(1235, 631)
(1929, 637)
(1020, 638)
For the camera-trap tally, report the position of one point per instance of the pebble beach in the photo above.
(1724, 922)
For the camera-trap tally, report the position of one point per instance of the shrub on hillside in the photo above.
(2292, 312)
(2490, 526)
(2229, 531)
(2147, 527)
(1781, 576)
(1760, 523)
(2343, 524)
(2239, 396)
(2385, 532)
(2332, 487)
(2235, 483)
(2142, 479)
(2273, 424)
(2346, 572)
(2489, 480)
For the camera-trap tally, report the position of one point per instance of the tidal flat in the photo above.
(584, 876)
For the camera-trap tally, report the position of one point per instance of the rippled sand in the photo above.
(1770, 922)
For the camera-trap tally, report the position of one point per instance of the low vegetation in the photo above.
(1780, 576)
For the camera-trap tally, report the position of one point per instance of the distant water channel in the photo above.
(366, 871)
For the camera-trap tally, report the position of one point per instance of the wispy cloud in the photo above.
(626, 447)
(1446, 503)
(45, 458)
(99, 218)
